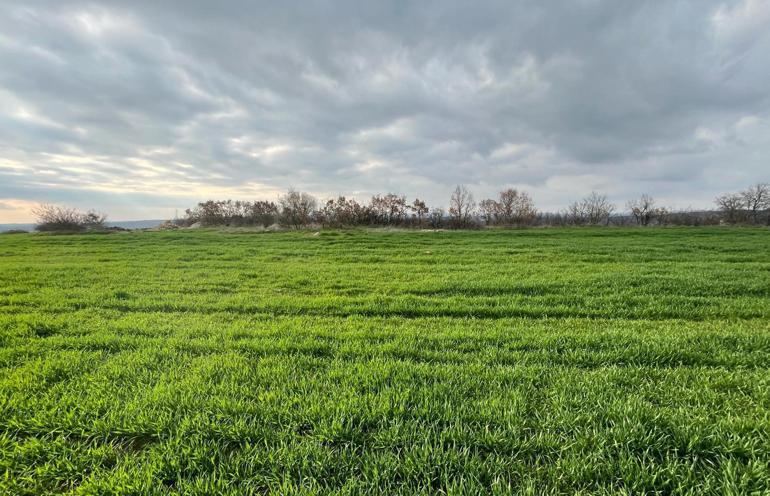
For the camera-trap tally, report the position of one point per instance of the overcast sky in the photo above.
(139, 107)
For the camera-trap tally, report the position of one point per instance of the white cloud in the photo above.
(741, 22)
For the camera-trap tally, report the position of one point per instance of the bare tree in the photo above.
(662, 215)
(93, 219)
(56, 218)
(641, 209)
(420, 209)
(389, 209)
(342, 212)
(263, 213)
(594, 209)
(599, 208)
(645, 211)
(507, 205)
(436, 218)
(378, 209)
(461, 206)
(297, 208)
(489, 210)
(207, 213)
(757, 199)
(731, 205)
(516, 208)
(396, 208)
(574, 213)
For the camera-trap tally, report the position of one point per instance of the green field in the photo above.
(593, 361)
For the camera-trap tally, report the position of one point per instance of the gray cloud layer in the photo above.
(138, 107)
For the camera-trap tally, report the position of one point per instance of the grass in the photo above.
(584, 361)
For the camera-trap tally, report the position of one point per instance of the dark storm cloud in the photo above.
(179, 101)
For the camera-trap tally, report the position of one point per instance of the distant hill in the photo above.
(22, 227)
(127, 224)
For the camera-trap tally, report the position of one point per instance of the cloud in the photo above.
(15, 210)
(741, 23)
(168, 103)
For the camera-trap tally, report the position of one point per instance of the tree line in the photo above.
(511, 208)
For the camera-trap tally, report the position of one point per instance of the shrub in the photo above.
(53, 218)
(231, 213)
